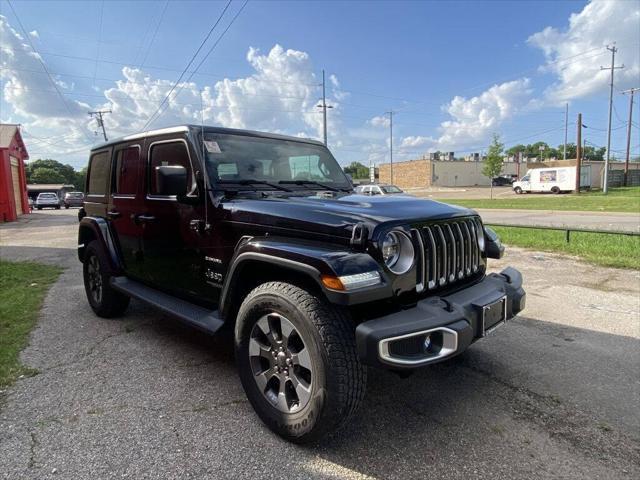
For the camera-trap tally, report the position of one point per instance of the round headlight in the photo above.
(397, 252)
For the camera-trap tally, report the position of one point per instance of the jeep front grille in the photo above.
(449, 252)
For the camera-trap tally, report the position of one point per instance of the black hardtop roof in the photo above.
(207, 129)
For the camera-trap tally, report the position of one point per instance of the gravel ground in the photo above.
(554, 394)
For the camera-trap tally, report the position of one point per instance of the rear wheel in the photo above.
(104, 300)
(297, 361)
(66, 206)
(518, 190)
(555, 190)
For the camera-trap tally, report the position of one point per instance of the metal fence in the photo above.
(567, 230)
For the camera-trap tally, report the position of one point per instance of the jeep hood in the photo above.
(337, 215)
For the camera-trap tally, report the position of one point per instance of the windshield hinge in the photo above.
(359, 236)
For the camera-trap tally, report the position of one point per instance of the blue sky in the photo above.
(455, 72)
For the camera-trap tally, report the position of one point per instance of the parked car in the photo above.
(263, 233)
(501, 181)
(31, 203)
(378, 189)
(554, 180)
(47, 200)
(73, 199)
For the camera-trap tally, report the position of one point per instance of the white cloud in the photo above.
(34, 34)
(476, 118)
(379, 121)
(576, 53)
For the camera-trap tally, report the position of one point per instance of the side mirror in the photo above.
(171, 180)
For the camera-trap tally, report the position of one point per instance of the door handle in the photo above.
(113, 214)
(144, 218)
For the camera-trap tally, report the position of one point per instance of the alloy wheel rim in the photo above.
(95, 279)
(280, 363)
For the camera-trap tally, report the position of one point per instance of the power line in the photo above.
(95, 69)
(44, 66)
(215, 44)
(155, 32)
(193, 57)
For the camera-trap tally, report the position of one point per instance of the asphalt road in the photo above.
(625, 222)
(553, 394)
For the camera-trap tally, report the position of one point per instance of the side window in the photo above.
(99, 173)
(167, 154)
(127, 171)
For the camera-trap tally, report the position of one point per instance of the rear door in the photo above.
(126, 201)
(98, 183)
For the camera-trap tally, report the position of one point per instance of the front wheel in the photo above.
(518, 190)
(297, 360)
(555, 190)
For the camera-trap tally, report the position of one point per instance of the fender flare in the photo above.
(310, 258)
(96, 228)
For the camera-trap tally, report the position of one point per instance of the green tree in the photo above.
(357, 170)
(51, 171)
(493, 163)
(46, 175)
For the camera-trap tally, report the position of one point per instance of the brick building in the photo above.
(13, 182)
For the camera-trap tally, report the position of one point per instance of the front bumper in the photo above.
(450, 322)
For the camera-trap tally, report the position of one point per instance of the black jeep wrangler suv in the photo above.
(264, 233)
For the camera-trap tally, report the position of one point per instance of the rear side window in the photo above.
(167, 154)
(99, 173)
(127, 171)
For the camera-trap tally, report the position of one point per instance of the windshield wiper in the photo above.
(311, 182)
(246, 181)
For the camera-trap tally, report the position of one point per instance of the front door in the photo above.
(126, 201)
(173, 245)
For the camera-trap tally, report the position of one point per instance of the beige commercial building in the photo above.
(425, 173)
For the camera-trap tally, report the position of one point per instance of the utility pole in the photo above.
(578, 152)
(566, 127)
(391, 142)
(98, 116)
(613, 50)
(631, 91)
(324, 107)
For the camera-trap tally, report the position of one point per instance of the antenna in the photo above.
(205, 176)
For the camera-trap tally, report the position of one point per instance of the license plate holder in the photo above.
(493, 316)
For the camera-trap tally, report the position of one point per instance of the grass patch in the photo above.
(607, 250)
(23, 286)
(624, 199)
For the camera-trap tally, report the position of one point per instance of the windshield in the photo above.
(47, 195)
(391, 189)
(241, 158)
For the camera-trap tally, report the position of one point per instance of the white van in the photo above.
(554, 180)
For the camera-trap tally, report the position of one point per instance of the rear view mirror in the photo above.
(171, 180)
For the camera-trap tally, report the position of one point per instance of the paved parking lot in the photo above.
(554, 394)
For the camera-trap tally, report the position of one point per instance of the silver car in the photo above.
(378, 189)
(47, 200)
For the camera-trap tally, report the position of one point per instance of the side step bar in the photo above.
(199, 317)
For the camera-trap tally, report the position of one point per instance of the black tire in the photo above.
(39, 208)
(518, 190)
(66, 206)
(57, 207)
(555, 190)
(104, 300)
(336, 378)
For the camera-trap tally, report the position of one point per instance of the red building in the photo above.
(13, 182)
